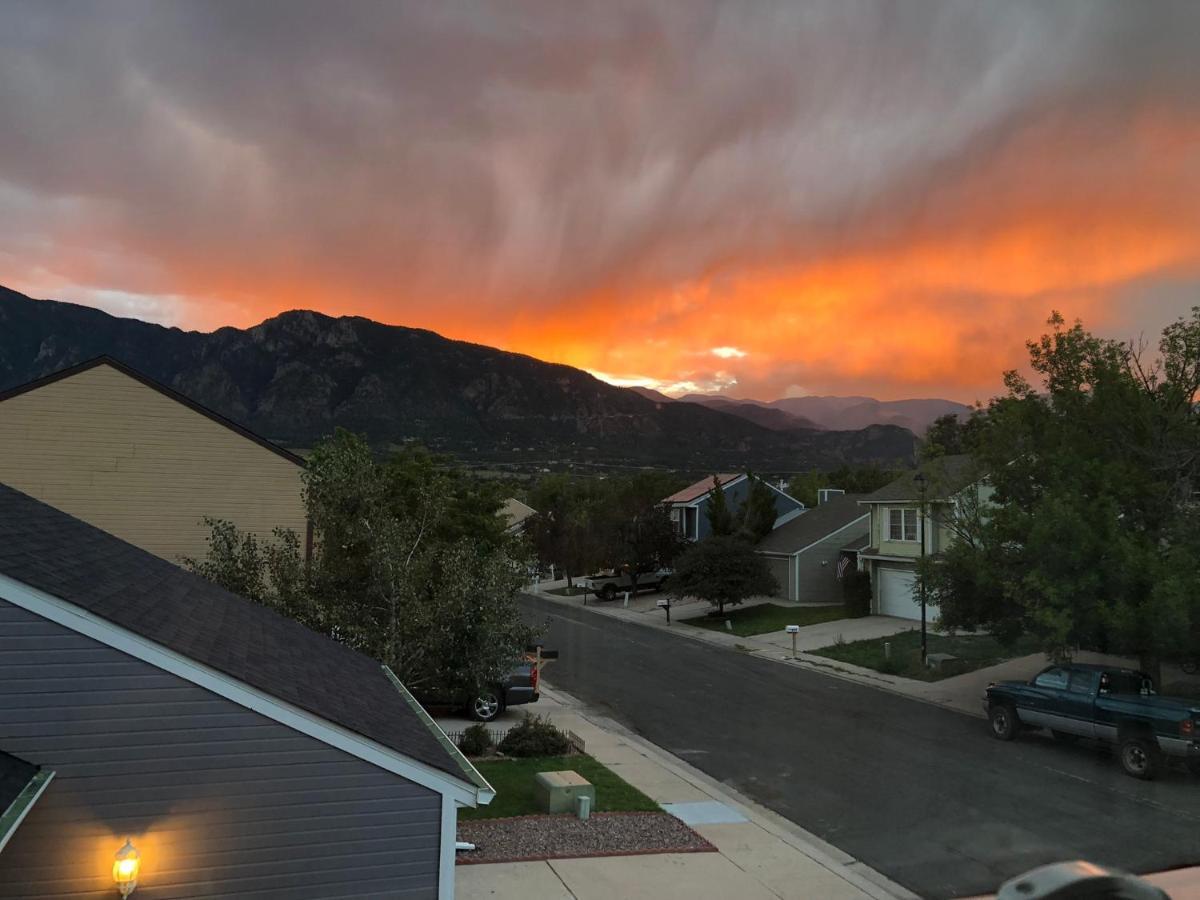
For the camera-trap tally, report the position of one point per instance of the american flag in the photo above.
(843, 564)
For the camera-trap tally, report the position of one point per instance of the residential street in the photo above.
(921, 794)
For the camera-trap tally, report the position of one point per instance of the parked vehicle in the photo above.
(607, 585)
(1105, 703)
(518, 687)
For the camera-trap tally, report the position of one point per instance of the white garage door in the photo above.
(896, 594)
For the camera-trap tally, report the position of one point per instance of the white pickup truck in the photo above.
(608, 585)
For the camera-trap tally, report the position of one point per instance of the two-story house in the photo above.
(909, 518)
(689, 507)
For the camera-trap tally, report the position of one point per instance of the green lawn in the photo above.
(568, 591)
(513, 781)
(973, 652)
(767, 617)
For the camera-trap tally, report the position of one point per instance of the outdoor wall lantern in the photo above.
(125, 868)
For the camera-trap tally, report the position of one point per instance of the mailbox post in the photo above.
(793, 630)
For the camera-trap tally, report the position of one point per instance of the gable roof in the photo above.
(945, 476)
(700, 488)
(815, 525)
(514, 512)
(161, 388)
(50, 551)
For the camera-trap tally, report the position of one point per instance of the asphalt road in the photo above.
(924, 795)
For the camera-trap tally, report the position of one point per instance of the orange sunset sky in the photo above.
(763, 199)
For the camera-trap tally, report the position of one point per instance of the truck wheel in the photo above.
(1064, 737)
(486, 706)
(1138, 758)
(608, 592)
(1005, 723)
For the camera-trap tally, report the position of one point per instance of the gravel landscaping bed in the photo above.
(526, 838)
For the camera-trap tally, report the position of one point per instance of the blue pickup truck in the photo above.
(1104, 703)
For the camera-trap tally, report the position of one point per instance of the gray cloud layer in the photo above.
(484, 155)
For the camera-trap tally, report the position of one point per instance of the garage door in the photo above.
(896, 594)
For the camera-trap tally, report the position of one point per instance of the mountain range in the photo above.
(295, 377)
(835, 413)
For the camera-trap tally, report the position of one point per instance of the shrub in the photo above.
(535, 736)
(856, 591)
(475, 741)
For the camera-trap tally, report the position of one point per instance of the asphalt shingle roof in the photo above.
(817, 523)
(47, 549)
(944, 477)
(700, 488)
(15, 775)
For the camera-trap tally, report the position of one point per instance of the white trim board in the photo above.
(30, 802)
(90, 625)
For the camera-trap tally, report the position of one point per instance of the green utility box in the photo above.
(557, 792)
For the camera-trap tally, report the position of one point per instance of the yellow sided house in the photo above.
(139, 460)
(909, 519)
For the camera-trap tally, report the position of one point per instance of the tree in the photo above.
(634, 526)
(1089, 539)
(394, 572)
(721, 521)
(860, 479)
(563, 532)
(721, 570)
(756, 518)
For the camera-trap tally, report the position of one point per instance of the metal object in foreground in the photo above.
(1078, 881)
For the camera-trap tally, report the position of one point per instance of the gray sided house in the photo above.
(689, 507)
(804, 553)
(242, 754)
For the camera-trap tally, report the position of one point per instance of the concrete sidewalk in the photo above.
(761, 856)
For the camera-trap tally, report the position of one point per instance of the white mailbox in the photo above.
(793, 629)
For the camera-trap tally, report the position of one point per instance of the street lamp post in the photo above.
(920, 480)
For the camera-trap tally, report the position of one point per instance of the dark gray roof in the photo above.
(814, 525)
(944, 477)
(60, 555)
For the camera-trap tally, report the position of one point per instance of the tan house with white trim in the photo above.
(141, 461)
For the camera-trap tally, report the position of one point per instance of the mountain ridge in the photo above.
(296, 376)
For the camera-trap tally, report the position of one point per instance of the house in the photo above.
(240, 754)
(137, 459)
(514, 513)
(804, 553)
(689, 508)
(908, 520)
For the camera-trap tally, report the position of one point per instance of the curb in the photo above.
(848, 868)
(806, 661)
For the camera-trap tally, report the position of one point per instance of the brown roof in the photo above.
(944, 477)
(700, 488)
(814, 525)
(157, 386)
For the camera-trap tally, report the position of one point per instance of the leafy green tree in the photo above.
(721, 570)
(721, 521)
(634, 526)
(756, 518)
(1089, 539)
(563, 532)
(853, 479)
(395, 572)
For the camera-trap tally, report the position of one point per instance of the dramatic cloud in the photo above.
(880, 198)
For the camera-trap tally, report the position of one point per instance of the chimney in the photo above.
(824, 495)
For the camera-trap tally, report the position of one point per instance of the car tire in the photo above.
(486, 706)
(608, 593)
(1064, 737)
(1004, 721)
(1139, 758)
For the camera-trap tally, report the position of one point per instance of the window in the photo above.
(902, 525)
(1052, 678)
(1083, 682)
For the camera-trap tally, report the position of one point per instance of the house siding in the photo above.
(781, 568)
(118, 454)
(817, 567)
(221, 801)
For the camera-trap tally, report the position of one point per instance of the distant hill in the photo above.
(295, 377)
(841, 413)
(767, 416)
